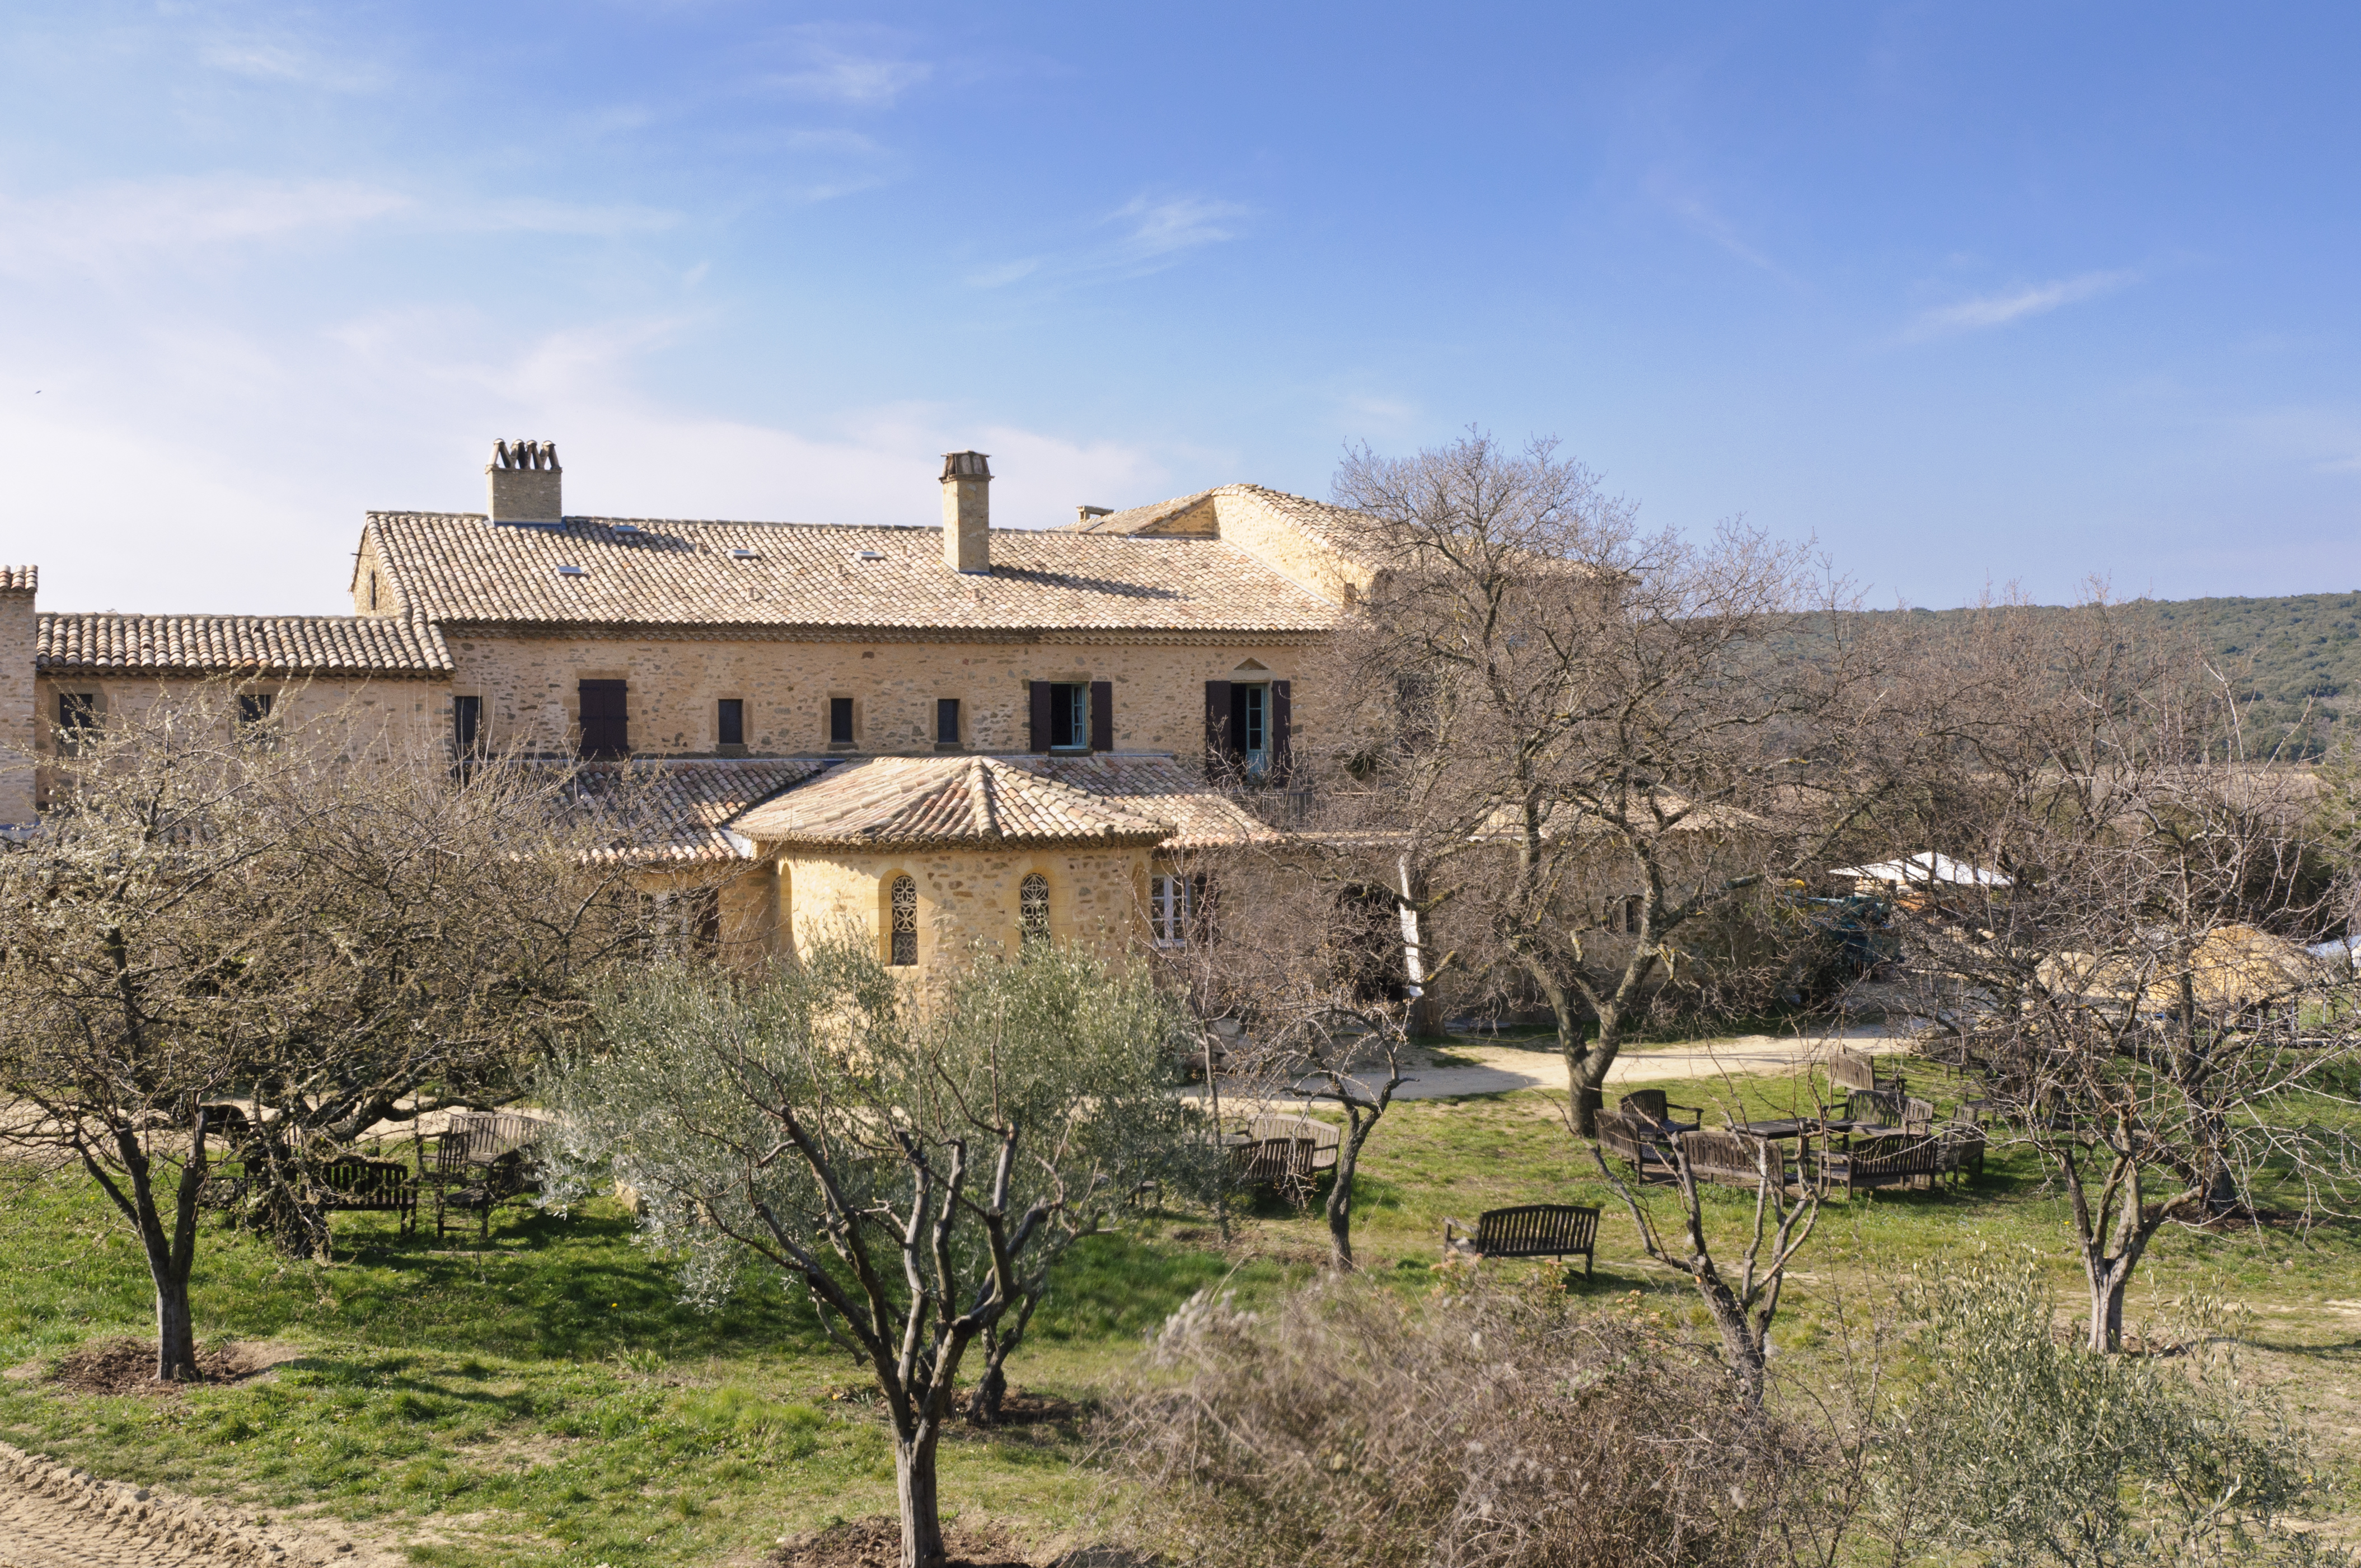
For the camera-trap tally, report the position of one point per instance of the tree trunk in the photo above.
(2107, 1289)
(914, 1485)
(1585, 1072)
(1340, 1206)
(176, 1329)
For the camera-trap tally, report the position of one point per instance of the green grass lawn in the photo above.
(545, 1400)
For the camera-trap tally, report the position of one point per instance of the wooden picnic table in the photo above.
(1803, 1127)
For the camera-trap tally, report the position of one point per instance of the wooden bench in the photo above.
(1326, 1138)
(1283, 1164)
(1729, 1158)
(1637, 1142)
(368, 1187)
(1888, 1160)
(1535, 1230)
(1851, 1070)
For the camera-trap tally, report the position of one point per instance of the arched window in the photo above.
(1033, 908)
(904, 907)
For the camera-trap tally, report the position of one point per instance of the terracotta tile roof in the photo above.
(1158, 788)
(683, 810)
(798, 578)
(230, 645)
(921, 801)
(1189, 516)
(19, 579)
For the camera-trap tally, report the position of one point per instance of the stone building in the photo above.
(946, 734)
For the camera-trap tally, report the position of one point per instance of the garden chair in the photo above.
(1888, 1160)
(1535, 1230)
(1283, 1165)
(1326, 1137)
(480, 1162)
(1964, 1151)
(1651, 1104)
(1728, 1159)
(1638, 1142)
(1851, 1070)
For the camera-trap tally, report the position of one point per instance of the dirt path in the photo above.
(54, 1518)
(1504, 1070)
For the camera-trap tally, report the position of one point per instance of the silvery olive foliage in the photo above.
(2028, 1450)
(915, 1171)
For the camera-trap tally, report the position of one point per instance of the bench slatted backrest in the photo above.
(1534, 1228)
(484, 1136)
(1647, 1103)
(1625, 1136)
(1727, 1154)
(1324, 1136)
(1277, 1159)
(367, 1180)
(1878, 1107)
(1896, 1154)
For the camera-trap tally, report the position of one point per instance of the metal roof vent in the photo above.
(628, 529)
(572, 572)
(870, 555)
(744, 556)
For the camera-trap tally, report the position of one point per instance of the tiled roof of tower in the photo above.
(237, 644)
(1333, 526)
(683, 810)
(19, 579)
(457, 568)
(920, 801)
(1155, 786)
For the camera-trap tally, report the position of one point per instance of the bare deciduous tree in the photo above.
(287, 934)
(1589, 745)
(2129, 985)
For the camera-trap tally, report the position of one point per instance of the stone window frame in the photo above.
(892, 927)
(966, 740)
(852, 720)
(1171, 900)
(1028, 929)
(745, 723)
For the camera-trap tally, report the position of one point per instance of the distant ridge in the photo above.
(2288, 653)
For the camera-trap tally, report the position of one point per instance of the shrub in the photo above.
(1470, 1429)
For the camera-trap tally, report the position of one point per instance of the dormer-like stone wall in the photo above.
(19, 732)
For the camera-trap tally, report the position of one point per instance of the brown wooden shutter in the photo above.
(1040, 695)
(1101, 715)
(1281, 721)
(606, 719)
(1217, 727)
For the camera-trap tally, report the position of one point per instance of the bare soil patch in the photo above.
(128, 1366)
(877, 1543)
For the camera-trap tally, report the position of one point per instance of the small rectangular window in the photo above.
(1168, 910)
(1070, 718)
(840, 721)
(77, 720)
(734, 721)
(468, 725)
(947, 721)
(254, 707)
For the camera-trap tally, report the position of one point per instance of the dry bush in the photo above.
(1346, 1427)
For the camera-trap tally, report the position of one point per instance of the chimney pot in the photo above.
(966, 512)
(524, 482)
(1084, 514)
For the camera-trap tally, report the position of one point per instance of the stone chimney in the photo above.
(523, 478)
(966, 512)
(19, 721)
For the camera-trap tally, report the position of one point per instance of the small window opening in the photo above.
(372, 590)
(840, 721)
(905, 906)
(77, 721)
(732, 721)
(254, 707)
(1167, 909)
(1032, 908)
(468, 725)
(947, 721)
(1070, 718)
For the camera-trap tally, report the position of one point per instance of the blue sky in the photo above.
(1970, 293)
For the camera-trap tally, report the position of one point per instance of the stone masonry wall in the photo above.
(396, 714)
(530, 690)
(967, 899)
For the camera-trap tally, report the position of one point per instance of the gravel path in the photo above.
(51, 1517)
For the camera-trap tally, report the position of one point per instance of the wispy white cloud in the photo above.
(850, 65)
(112, 227)
(1988, 311)
(279, 60)
(1702, 219)
(1149, 234)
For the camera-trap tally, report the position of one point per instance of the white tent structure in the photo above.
(1927, 869)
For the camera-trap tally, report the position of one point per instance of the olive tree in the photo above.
(915, 1171)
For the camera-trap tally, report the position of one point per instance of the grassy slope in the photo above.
(545, 1401)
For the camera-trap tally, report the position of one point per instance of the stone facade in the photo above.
(968, 898)
(530, 687)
